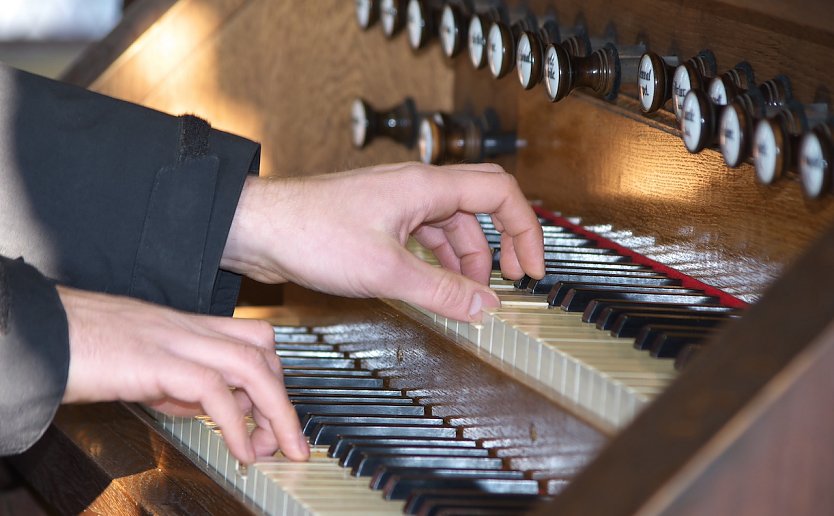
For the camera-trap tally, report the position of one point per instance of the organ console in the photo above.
(546, 405)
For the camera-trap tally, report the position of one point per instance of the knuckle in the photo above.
(252, 357)
(264, 332)
(448, 292)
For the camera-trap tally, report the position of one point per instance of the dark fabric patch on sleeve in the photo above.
(194, 138)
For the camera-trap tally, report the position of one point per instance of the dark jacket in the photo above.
(103, 195)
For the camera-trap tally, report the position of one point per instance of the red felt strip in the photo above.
(687, 281)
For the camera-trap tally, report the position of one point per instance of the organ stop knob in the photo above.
(601, 72)
(398, 123)
(654, 80)
(776, 139)
(479, 25)
(367, 13)
(445, 138)
(453, 26)
(530, 49)
(392, 15)
(421, 22)
(816, 161)
(737, 122)
(691, 74)
(732, 83)
(501, 40)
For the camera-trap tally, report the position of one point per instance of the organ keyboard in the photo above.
(410, 448)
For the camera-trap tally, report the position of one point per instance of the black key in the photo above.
(584, 251)
(312, 420)
(328, 434)
(595, 307)
(296, 337)
(399, 488)
(430, 502)
(650, 332)
(329, 363)
(577, 299)
(544, 285)
(332, 381)
(309, 354)
(355, 453)
(670, 343)
(343, 391)
(336, 400)
(368, 463)
(630, 324)
(302, 409)
(290, 346)
(609, 315)
(306, 371)
(561, 289)
(285, 330)
(343, 445)
(381, 477)
(563, 239)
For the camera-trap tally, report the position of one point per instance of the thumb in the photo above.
(443, 291)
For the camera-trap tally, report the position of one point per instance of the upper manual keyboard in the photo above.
(603, 328)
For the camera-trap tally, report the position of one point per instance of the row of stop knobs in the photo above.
(440, 137)
(758, 123)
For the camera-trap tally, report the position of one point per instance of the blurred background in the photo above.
(46, 36)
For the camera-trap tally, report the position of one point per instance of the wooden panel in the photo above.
(282, 73)
(138, 17)
(101, 458)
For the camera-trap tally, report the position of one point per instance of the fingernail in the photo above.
(475, 305)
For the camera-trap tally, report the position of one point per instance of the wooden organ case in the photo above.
(743, 430)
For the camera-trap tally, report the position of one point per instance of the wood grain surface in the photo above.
(282, 73)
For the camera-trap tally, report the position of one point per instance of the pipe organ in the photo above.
(676, 358)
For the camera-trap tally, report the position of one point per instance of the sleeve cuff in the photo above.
(34, 355)
(188, 219)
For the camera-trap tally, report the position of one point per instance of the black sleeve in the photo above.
(101, 195)
(105, 195)
(34, 354)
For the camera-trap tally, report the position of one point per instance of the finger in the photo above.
(498, 195)
(434, 239)
(467, 239)
(192, 383)
(493, 168)
(177, 408)
(510, 268)
(439, 290)
(263, 437)
(251, 369)
(459, 245)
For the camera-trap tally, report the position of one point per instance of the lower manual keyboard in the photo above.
(399, 442)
